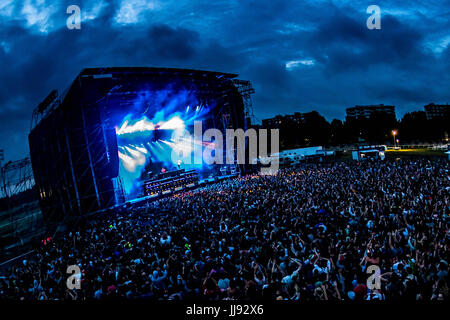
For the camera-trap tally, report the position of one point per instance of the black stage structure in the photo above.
(73, 143)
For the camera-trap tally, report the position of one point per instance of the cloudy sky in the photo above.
(299, 55)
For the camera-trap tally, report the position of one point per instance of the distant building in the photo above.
(365, 112)
(437, 111)
(273, 123)
(276, 121)
(297, 117)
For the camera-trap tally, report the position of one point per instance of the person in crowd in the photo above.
(304, 234)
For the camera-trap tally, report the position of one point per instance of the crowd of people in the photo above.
(328, 231)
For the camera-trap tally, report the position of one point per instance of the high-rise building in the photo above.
(365, 112)
(297, 118)
(437, 111)
(275, 122)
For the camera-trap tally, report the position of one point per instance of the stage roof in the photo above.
(154, 70)
(123, 91)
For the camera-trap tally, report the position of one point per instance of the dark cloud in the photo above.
(336, 62)
(344, 43)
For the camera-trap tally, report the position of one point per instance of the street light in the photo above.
(394, 133)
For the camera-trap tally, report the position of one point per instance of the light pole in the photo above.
(394, 133)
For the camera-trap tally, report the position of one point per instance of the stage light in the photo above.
(128, 162)
(139, 126)
(174, 123)
(137, 155)
(143, 124)
(142, 149)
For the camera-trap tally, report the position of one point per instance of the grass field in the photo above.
(415, 152)
(403, 153)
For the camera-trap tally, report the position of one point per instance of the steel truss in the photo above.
(16, 177)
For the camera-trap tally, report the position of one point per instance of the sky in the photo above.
(299, 55)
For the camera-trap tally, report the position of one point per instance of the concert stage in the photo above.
(169, 182)
(91, 146)
(201, 183)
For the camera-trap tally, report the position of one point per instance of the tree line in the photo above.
(413, 128)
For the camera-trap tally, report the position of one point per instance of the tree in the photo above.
(337, 132)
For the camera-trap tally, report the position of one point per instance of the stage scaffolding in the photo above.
(20, 215)
(16, 177)
(246, 90)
